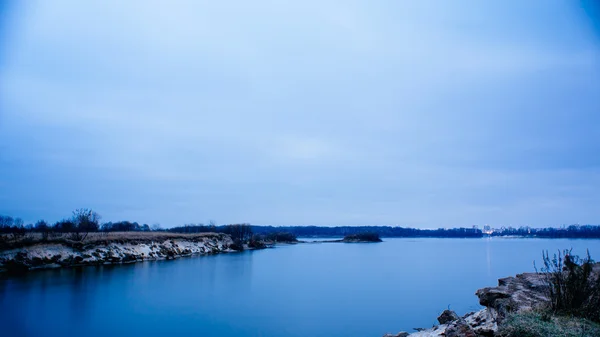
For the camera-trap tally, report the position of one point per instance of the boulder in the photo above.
(129, 257)
(460, 328)
(399, 334)
(447, 316)
(483, 322)
(489, 296)
(515, 294)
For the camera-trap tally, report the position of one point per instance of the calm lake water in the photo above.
(329, 289)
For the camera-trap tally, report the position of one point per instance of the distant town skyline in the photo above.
(417, 113)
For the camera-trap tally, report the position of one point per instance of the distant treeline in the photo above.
(316, 231)
(82, 220)
(572, 232)
(383, 231)
(243, 232)
(340, 231)
(86, 220)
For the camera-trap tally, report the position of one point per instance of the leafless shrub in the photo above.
(573, 286)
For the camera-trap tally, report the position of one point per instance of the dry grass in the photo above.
(8, 242)
(146, 236)
(539, 324)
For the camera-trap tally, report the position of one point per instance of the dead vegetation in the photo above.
(7, 241)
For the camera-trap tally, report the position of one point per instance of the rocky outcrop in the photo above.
(114, 251)
(520, 293)
(513, 294)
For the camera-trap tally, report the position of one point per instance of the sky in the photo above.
(416, 113)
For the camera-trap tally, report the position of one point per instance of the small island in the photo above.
(357, 238)
(362, 238)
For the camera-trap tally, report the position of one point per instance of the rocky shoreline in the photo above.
(521, 293)
(111, 250)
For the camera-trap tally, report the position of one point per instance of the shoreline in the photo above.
(130, 247)
(111, 250)
(522, 294)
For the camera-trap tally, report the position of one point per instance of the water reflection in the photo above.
(303, 290)
(78, 298)
(488, 255)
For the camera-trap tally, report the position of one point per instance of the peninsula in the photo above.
(109, 248)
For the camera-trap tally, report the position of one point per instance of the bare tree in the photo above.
(18, 222)
(240, 234)
(212, 226)
(85, 221)
(6, 221)
(17, 230)
(42, 227)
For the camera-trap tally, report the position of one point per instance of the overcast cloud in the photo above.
(415, 113)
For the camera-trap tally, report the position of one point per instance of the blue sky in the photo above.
(413, 113)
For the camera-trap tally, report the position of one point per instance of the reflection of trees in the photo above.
(71, 301)
(232, 279)
(237, 268)
(79, 301)
(221, 273)
(12, 320)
